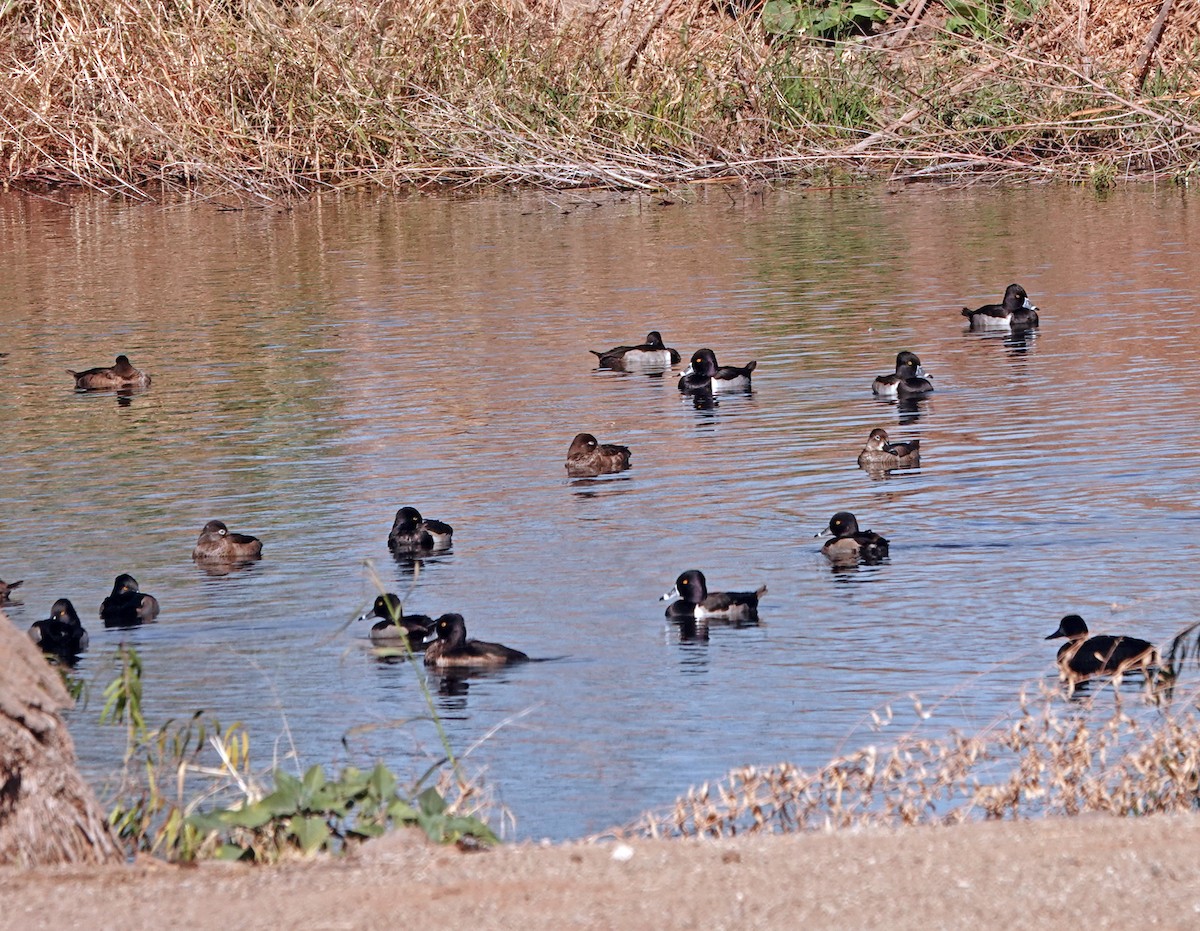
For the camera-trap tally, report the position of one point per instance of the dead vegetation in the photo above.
(1054, 757)
(259, 96)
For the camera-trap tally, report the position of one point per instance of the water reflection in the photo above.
(357, 352)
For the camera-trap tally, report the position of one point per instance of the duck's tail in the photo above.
(751, 366)
(966, 312)
(762, 590)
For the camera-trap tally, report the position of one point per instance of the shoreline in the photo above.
(1093, 871)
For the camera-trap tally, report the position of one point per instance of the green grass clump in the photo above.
(189, 792)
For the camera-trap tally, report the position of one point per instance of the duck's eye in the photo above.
(222, 532)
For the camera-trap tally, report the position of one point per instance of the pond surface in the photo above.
(317, 368)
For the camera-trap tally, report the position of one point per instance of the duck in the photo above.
(703, 374)
(696, 601)
(1015, 312)
(588, 457)
(851, 543)
(217, 542)
(410, 531)
(122, 374)
(127, 606)
(907, 382)
(62, 632)
(452, 648)
(885, 385)
(7, 587)
(880, 453)
(1084, 657)
(397, 628)
(651, 353)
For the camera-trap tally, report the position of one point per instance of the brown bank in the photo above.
(1093, 872)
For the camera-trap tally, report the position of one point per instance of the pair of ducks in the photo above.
(1015, 313)
(451, 648)
(702, 376)
(696, 601)
(63, 633)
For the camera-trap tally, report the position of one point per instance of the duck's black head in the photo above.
(407, 520)
(124, 585)
(452, 629)
(1073, 627)
(62, 610)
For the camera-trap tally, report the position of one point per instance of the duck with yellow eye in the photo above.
(453, 649)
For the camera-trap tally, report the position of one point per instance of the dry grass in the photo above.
(1054, 758)
(267, 97)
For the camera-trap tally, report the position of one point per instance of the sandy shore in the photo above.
(1093, 872)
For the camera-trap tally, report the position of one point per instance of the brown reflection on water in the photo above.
(317, 367)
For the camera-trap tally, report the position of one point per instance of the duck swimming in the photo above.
(127, 606)
(218, 543)
(411, 532)
(651, 353)
(62, 633)
(452, 648)
(587, 457)
(396, 629)
(696, 601)
(879, 453)
(704, 375)
(1085, 657)
(907, 365)
(850, 543)
(1016, 312)
(122, 374)
(6, 589)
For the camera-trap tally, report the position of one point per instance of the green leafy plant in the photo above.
(829, 20)
(314, 813)
(157, 808)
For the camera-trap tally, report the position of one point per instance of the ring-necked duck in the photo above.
(410, 531)
(851, 543)
(218, 542)
(1015, 312)
(1083, 657)
(62, 633)
(120, 375)
(886, 385)
(696, 601)
(651, 353)
(127, 606)
(397, 628)
(587, 457)
(452, 648)
(6, 588)
(907, 382)
(879, 453)
(703, 374)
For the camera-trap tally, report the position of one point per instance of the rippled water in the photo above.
(317, 368)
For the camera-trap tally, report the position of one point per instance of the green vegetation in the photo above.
(257, 97)
(158, 808)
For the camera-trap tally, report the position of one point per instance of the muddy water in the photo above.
(317, 368)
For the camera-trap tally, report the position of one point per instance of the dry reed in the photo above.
(1053, 758)
(259, 96)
